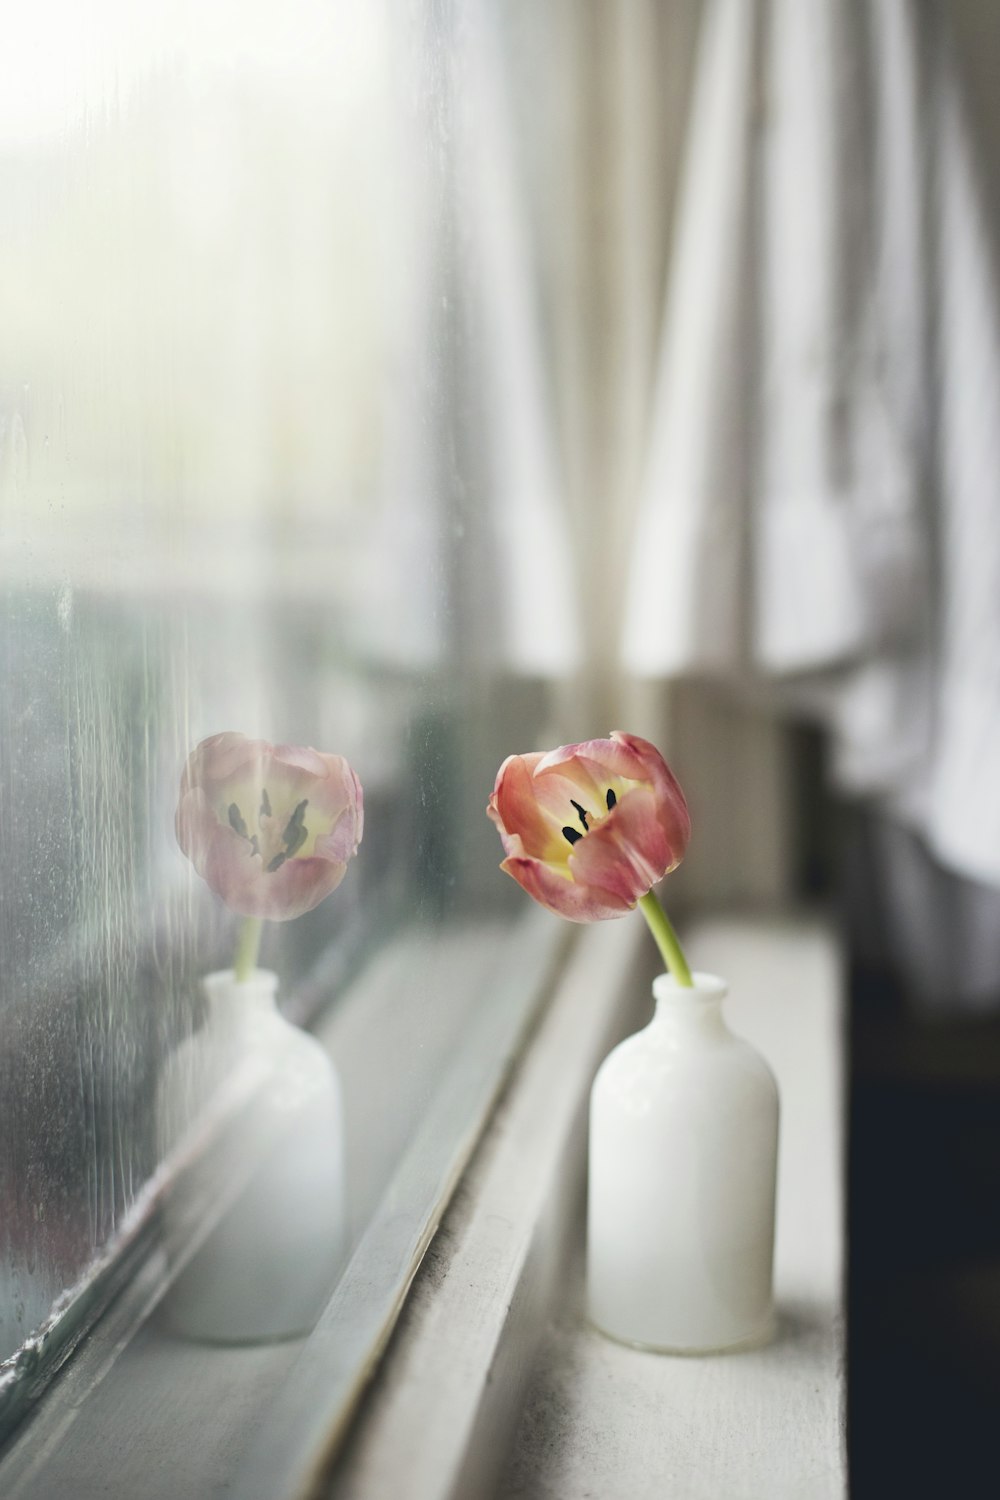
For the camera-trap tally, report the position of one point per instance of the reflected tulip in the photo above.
(590, 828)
(270, 828)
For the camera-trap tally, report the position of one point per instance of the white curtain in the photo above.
(537, 630)
(685, 603)
(818, 520)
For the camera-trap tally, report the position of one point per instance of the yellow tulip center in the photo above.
(571, 834)
(276, 839)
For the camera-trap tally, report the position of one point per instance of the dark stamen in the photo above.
(295, 821)
(276, 863)
(265, 804)
(255, 844)
(571, 835)
(298, 838)
(236, 822)
(581, 814)
(611, 799)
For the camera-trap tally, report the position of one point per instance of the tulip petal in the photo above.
(297, 887)
(221, 758)
(578, 903)
(673, 809)
(248, 873)
(627, 757)
(562, 796)
(334, 787)
(341, 843)
(519, 815)
(622, 756)
(356, 801)
(301, 758)
(628, 852)
(589, 828)
(569, 776)
(223, 859)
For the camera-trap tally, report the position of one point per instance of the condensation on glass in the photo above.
(269, 436)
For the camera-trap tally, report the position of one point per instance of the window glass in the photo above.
(272, 426)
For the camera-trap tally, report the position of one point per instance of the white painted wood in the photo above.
(450, 1389)
(497, 1309)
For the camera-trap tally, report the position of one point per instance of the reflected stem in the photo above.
(666, 939)
(247, 948)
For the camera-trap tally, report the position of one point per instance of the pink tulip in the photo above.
(590, 828)
(270, 828)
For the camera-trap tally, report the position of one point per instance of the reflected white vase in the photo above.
(683, 1156)
(266, 1270)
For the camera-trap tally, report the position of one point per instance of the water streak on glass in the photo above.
(248, 388)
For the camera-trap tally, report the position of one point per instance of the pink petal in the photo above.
(326, 787)
(195, 824)
(223, 859)
(581, 777)
(517, 812)
(226, 861)
(617, 757)
(578, 903)
(335, 789)
(297, 887)
(221, 758)
(557, 792)
(626, 757)
(227, 864)
(302, 759)
(628, 852)
(672, 807)
(592, 754)
(638, 828)
(531, 810)
(358, 802)
(341, 843)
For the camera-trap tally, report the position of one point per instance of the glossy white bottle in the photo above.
(271, 1263)
(683, 1154)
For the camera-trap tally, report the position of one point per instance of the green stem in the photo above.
(247, 948)
(666, 938)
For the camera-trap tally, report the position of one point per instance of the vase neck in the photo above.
(695, 1009)
(232, 1001)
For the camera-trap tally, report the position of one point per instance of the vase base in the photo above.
(211, 1339)
(755, 1340)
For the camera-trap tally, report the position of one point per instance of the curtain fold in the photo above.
(838, 547)
(817, 521)
(685, 603)
(536, 630)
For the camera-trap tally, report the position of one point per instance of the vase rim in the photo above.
(705, 987)
(256, 980)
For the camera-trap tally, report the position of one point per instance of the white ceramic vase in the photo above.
(683, 1153)
(268, 1267)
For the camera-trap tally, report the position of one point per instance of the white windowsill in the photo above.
(493, 1384)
